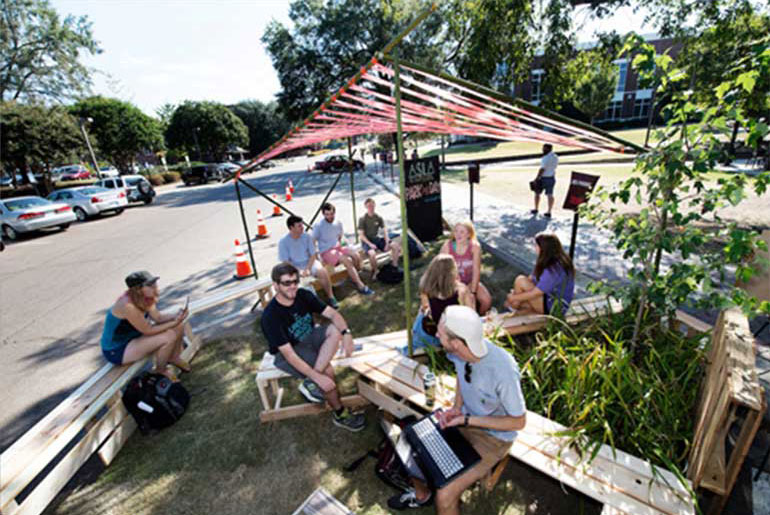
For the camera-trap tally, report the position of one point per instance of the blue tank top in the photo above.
(117, 332)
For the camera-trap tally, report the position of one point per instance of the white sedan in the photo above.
(25, 214)
(91, 200)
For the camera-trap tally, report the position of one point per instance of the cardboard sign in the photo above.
(580, 186)
(423, 197)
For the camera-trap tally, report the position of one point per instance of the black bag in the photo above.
(388, 466)
(390, 274)
(155, 401)
(536, 185)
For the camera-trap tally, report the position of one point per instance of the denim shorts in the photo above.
(115, 355)
(547, 184)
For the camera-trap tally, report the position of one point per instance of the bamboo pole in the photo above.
(402, 198)
(518, 102)
(396, 40)
(352, 187)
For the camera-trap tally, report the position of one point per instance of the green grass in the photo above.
(219, 459)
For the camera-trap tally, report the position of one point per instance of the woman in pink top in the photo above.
(466, 251)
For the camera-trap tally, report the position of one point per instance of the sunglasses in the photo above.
(290, 282)
(468, 371)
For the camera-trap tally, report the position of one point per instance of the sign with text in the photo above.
(423, 197)
(580, 186)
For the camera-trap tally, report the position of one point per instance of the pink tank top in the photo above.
(464, 262)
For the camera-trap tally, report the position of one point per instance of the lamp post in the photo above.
(83, 122)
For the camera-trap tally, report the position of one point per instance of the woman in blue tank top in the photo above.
(134, 328)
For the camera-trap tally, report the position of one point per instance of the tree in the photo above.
(205, 128)
(595, 78)
(265, 123)
(164, 113)
(36, 138)
(121, 129)
(41, 52)
(680, 208)
(558, 50)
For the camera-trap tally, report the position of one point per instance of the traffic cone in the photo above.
(291, 186)
(288, 194)
(261, 227)
(242, 266)
(276, 210)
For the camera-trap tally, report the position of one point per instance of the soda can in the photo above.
(429, 386)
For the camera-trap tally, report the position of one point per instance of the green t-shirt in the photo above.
(370, 225)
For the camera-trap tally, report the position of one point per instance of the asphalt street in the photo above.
(55, 287)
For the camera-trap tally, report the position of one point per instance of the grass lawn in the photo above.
(220, 459)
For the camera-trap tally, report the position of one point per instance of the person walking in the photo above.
(546, 177)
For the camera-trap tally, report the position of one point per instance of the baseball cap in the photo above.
(465, 323)
(141, 278)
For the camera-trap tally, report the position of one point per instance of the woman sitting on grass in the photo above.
(466, 251)
(128, 334)
(551, 286)
(440, 287)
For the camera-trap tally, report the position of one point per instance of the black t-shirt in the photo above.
(290, 324)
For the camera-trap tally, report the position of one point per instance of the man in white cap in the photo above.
(489, 406)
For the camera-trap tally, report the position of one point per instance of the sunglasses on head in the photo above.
(290, 282)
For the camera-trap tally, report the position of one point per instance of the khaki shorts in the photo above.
(490, 449)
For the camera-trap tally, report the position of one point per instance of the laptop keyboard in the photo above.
(443, 456)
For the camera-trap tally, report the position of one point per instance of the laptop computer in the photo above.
(443, 454)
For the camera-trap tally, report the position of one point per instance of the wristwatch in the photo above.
(467, 417)
(346, 331)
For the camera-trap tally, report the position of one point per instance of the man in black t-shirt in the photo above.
(303, 349)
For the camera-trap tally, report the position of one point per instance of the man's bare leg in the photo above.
(323, 277)
(352, 272)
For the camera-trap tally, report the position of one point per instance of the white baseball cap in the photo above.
(465, 323)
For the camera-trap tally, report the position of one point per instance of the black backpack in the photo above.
(390, 274)
(388, 466)
(155, 401)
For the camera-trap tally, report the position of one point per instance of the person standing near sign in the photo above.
(466, 251)
(369, 227)
(546, 177)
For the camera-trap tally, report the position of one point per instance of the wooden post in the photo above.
(402, 198)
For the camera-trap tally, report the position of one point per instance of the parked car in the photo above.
(91, 200)
(25, 214)
(73, 173)
(136, 187)
(228, 169)
(108, 171)
(7, 180)
(201, 174)
(337, 163)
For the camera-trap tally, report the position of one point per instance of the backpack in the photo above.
(155, 401)
(390, 274)
(388, 466)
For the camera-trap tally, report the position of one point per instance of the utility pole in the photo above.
(88, 143)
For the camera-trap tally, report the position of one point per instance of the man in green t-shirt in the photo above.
(369, 227)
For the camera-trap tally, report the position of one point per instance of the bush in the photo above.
(156, 179)
(170, 177)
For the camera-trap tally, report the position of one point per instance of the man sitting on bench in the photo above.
(369, 227)
(489, 406)
(303, 349)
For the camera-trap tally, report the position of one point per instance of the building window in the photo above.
(622, 72)
(641, 107)
(614, 111)
(537, 81)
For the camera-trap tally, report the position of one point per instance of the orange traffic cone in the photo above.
(291, 186)
(261, 227)
(276, 210)
(242, 266)
(288, 194)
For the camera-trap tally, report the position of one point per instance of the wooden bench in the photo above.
(579, 311)
(622, 482)
(268, 377)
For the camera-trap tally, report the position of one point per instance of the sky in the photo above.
(168, 51)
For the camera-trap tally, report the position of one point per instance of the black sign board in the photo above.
(580, 185)
(474, 177)
(423, 197)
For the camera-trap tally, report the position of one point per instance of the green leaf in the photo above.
(747, 80)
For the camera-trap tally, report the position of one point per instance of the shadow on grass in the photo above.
(220, 459)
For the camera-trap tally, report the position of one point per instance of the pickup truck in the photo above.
(336, 164)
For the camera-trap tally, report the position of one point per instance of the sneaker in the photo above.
(547, 215)
(311, 391)
(333, 303)
(366, 291)
(533, 211)
(407, 500)
(348, 420)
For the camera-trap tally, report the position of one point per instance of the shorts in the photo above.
(333, 255)
(547, 184)
(307, 350)
(378, 242)
(317, 267)
(115, 355)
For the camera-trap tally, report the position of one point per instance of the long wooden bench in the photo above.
(624, 483)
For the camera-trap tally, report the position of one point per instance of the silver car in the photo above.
(91, 200)
(24, 214)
